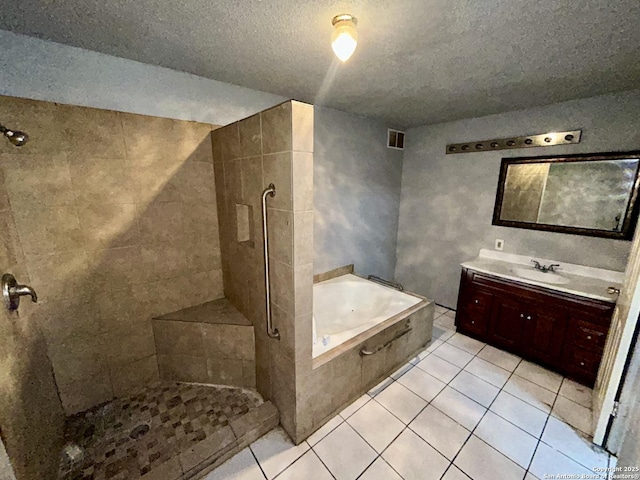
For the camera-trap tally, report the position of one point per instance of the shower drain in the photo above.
(139, 431)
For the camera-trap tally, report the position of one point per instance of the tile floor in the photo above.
(460, 410)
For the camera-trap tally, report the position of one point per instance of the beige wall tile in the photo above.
(225, 371)
(252, 183)
(33, 180)
(200, 222)
(183, 368)
(130, 343)
(78, 358)
(63, 320)
(202, 255)
(250, 136)
(48, 229)
(200, 149)
(117, 309)
(132, 377)
(304, 341)
(249, 374)
(230, 141)
(233, 180)
(196, 183)
(4, 196)
(100, 180)
(83, 394)
(11, 256)
(302, 121)
(282, 286)
(285, 323)
(276, 129)
(302, 238)
(119, 268)
(95, 132)
(106, 225)
(302, 181)
(303, 280)
(163, 261)
(202, 287)
(234, 342)
(149, 140)
(277, 170)
(154, 183)
(178, 338)
(60, 276)
(161, 222)
(280, 231)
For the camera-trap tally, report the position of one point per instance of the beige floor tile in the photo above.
(454, 355)
(242, 466)
(376, 425)
(465, 343)
(482, 462)
(459, 407)
(275, 452)
(574, 414)
(439, 368)
(401, 401)
(531, 393)
(475, 388)
(422, 384)
(488, 372)
(498, 357)
(414, 459)
(324, 430)
(380, 470)
(440, 431)
(576, 392)
(345, 453)
(520, 413)
(514, 443)
(548, 461)
(574, 444)
(307, 466)
(539, 375)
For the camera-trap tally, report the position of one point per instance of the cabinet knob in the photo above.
(475, 301)
(522, 315)
(528, 317)
(588, 337)
(582, 364)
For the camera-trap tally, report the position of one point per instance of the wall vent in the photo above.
(395, 139)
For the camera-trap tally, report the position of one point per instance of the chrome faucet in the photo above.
(545, 268)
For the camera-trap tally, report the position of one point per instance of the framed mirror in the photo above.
(594, 194)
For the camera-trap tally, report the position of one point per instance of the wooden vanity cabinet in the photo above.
(563, 332)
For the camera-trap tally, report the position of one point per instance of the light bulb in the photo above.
(345, 37)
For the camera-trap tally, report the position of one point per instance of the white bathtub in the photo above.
(346, 306)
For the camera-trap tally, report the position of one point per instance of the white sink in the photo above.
(538, 276)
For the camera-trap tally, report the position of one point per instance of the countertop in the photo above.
(580, 280)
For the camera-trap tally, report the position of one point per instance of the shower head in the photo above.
(16, 137)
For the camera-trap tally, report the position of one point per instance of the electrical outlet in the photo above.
(499, 244)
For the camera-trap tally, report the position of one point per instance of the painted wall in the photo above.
(41, 70)
(356, 181)
(447, 200)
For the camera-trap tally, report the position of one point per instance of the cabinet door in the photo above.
(544, 332)
(507, 323)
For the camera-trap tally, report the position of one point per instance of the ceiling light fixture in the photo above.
(345, 37)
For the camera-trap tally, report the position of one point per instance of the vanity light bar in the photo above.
(540, 140)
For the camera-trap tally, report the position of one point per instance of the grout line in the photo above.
(256, 459)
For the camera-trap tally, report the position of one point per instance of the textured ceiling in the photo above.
(417, 62)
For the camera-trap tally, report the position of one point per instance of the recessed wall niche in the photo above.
(244, 224)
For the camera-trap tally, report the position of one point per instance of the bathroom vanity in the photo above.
(560, 323)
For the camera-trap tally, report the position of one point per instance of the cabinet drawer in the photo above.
(478, 301)
(583, 361)
(589, 336)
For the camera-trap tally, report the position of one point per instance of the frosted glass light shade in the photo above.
(344, 39)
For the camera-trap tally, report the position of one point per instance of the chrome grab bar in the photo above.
(364, 352)
(270, 191)
(388, 283)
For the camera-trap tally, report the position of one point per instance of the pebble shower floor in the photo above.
(128, 438)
